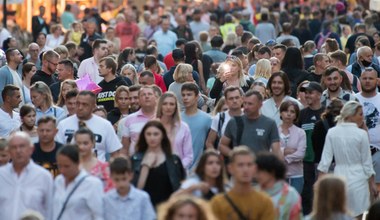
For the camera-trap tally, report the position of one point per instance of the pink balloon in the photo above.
(85, 83)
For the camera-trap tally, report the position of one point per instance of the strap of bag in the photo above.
(221, 122)
(240, 128)
(69, 196)
(236, 209)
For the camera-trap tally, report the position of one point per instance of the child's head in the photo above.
(85, 139)
(121, 174)
(28, 116)
(4, 155)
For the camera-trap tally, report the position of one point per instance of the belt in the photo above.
(374, 150)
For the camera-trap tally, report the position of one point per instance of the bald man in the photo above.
(364, 59)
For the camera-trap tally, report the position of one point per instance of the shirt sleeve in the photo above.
(215, 122)
(274, 137)
(231, 127)
(187, 147)
(327, 154)
(49, 186)
(147, 209)
(301, 148)
(366, 157)
(95, 200)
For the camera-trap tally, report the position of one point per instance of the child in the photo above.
(28, 119)
(118, 202)
(4, 155)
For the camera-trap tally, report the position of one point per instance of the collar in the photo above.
(131, 194)
(50, 109)
(81, 174)
(327, 94)
(140, 113)
(27, 168)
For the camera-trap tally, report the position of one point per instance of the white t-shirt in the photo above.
(8, 124)
(216, 118)
(371, 110)
(17, 82)
(105, 136)
(193, 180)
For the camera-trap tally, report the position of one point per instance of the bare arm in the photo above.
(202, 82)
(126, 142)
(212, 135)
(276, 149)
(143, 176)
(224, 146)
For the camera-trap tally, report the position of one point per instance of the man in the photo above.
(339, 60)
(307, 119)
(215, 53)
(197, 25)
(168, 59)
(105, 137)
(364, 59)
(65, 70)
(183, 30)
(253, 129)
(244, 42)
(127, 31)
(71, 102)
(321, 61)
(67, 17)
(278, 51)
(34, 51)
(45, 150)
(246, 22)
(263, 53)
(9, 119)
(370, 100)
(90, 66)
(88, 39)
(145, 21)
(228, 26)
(198, 121)
(279, 88)
(107, 70)
(146, 78)
(165, 38)
(23, 184)
(152, 50)
(265, 30)
(234, 100)
(252, 204)
(129, 128)
(8, 73)
(41, 42)
(333, 80)
(152, 28)
(39, 24)
(134, 105)
(286, 30)
(49, 65)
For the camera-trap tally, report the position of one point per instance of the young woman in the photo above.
(219, 107)
(208, 179)
(330, 199)
(353, 161)
(88, 194)
(293, 144)
(66, 86)
(121, 109)
(28, 119)
(178, 132)
(309, 49)
(126, 56)
(142, 44)
(154, 160)
(263, 71)
(28, 70)
(43, 101)
(192, 59)
(128, 70)
(85, 140)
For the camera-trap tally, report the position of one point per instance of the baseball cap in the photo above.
(311, 86)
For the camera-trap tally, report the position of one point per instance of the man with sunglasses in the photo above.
(50, 60)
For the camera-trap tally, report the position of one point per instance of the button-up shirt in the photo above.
(136, 205)
(90, 67)
(32, 189)
(344, 96)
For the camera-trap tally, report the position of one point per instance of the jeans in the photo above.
(296, 182)
(309, 175)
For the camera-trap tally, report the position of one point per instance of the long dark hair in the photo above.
(191, 55)
(123, 57)
(142, 145)
(200, 170)
(292, 59)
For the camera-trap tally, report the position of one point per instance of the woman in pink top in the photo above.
(293, 144)
(85, 140)
(178, 131)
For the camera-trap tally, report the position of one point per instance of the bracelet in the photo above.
(146, 165)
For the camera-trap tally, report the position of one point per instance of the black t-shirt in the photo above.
(106, 97)
(350, 45)
(46, 159)
(42, 76)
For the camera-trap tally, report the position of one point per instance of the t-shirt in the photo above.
(46, 159)
(128, 33)
(194, 180)
(105, 136)
(371, 110)
(42, 76)
(270, 110)
(258, 134)
(107, 96)
(8, 124)
(199, 124)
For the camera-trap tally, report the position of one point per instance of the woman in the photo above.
(142, 44)
(127, 56)
(28, 70)
(293, 144)
(151, 64)
(349, 145)
(331, 45)
(270, 176)
(232, 77)
(230, 43)
(111, 36)
(43, 101)
(66, 86)
(330, 199)
(55, 38)
(86, 190)
(128, 70)
(263, 71)
(261, 88)
(192, 58)
(85, 140)
(28, 120)
(121, 109)
(309, 49)
(154, 160)
(302, 31)
(275, 64)
(185, 207)
(208, 179)
(10, 42)
(178, 132)
(62, 51)
(220, 107)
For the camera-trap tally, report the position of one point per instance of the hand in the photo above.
(204, 187)
(289, 150)
(221, 77)
(149, 159)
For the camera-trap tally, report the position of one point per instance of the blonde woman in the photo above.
(121, 104)
(55, 38)
(263, 71)
(230, 43)
(128, 70)
(66, 86)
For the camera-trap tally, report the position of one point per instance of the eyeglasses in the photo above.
(55, 64)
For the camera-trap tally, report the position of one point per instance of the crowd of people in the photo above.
(199, 111)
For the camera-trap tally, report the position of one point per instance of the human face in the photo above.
(368, 80)
(147, 98)
(234, 100)
(335, 63)
(122, 100)
(324, 63)
(251, 105)
(165, 25)
(358, 118)
(31, 72)
(153, 137)
(52, 65)
(110, 33)
(213, 167)
(263, 56)
(100, 113)
(189, 98)
(275, 64)
(122, 182)
(134, 100)
(289, 115)
(46, 132)
(102, 51)
(67, 167)
(186, 212)
(234, 70)
(13, 43)
(261, 90)
(4, 157)
(17, 57)
(242, 169)
(65, 89)
(278, 53)
(277, 86)
(38, 99)
(41, 40)
(103, 70)
(34, 50)
(63, 72)
(130, 74)
(29, 119)
(15, 99)
(169, 106)
(85, 144)
(367, 56)
(20, 150)
(71, 105)
(264, 177)
(333, 81)
(312, 97)
(146, 80)
(85, 106)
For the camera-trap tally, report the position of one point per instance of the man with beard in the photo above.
(91, 65)
(365, 55)
(370, 100)
(333, 80)
(49, 65)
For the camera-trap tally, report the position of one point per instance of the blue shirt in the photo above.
(57, 112)
(165, 41)
(136, 205)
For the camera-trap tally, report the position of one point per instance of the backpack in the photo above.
(322, 39)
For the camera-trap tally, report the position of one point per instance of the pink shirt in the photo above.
(90, 67)
(183, 146)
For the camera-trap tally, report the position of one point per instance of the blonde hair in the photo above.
(231, 38)
(349, 109)
(237, 61)
(61, 99)
(44, 90)
(181, 72)
(119, 90)
(219, 106)
(263, 69)
(129, 66)
(176, 116)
